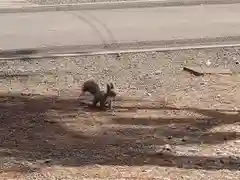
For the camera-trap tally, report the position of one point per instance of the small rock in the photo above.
(158, 72)
(218, 151)
(221, 161)
(235, 109)
(44, 161)
(234, 158)
(189, 128)
(208, 63)
(148, 94)
(184, 139)
(118, 55)
(49, 121)
(97, 165)
(145, 170)
(193, 150)
(172, 126)
(167, 147)
(153, 52)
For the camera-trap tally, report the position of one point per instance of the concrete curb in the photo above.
(114, 5)
(117, 52)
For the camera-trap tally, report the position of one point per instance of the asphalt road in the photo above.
(129, 27)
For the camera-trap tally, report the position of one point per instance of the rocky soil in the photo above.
(166, 123)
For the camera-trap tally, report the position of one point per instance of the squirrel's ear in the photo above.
(111, 85)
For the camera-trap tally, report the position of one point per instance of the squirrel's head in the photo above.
(110, 92)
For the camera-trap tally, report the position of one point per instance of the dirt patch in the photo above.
(46, 132)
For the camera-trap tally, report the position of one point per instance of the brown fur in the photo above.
(101, 97)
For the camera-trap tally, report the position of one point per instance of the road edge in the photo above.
(119, 52)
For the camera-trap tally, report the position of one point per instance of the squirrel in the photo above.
(104, 98)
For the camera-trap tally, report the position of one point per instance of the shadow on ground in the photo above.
(35, 128)
(12, 53)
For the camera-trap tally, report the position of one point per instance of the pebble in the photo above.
(208, 63)
(184, 139)
(167, 147)
(158, 72)
(148, 94)
(44, 161)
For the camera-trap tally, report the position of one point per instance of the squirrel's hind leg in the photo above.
(94, 102)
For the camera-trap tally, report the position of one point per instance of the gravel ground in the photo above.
(51, 2)
(175, 133)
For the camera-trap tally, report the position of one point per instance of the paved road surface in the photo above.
(151, 25)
